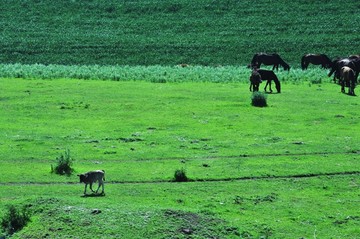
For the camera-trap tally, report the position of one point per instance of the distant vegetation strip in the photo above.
(155, 73)
(165, 32)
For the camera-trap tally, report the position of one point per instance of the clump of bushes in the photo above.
(15, 219)
(63, 164)
(180, 176)
(258, 99)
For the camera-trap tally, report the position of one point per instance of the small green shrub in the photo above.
(15, 219)
(258, 99)
(64, 164)
(180, 175)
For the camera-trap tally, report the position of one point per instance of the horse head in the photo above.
(285, 66)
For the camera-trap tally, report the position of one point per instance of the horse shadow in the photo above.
(93, 195)
(271, 93)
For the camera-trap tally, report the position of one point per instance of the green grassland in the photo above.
(204, 32)
(102, 79)
(289, 170)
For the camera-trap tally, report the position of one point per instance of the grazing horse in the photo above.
(255, 80)
(316, 59)
(270, 76)
(269, 59)
(338, 64)
(347, 79)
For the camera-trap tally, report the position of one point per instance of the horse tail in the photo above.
(352, 83)
(352, 76)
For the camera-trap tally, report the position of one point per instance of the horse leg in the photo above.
(269, 82)
(351, 87)
(306, 65)
(251, 87)
(343, 86)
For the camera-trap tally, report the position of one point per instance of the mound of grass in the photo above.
(259, 99)
(63, 164)
(180, 176)
(15, 219)
(63, 222)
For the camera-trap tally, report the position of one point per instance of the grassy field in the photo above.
(163, 32)
(103, 80)
(289, 170)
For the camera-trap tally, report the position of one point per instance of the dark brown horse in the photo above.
(347, 79)
(340, 63)
(270, 76)
(255, 80)
(316, 59)
(269, 59)
(259, 75)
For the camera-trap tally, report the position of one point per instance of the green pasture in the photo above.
(289, 170)
(321, 207)
(164, 32)
(144, 88)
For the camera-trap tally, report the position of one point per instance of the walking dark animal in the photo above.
(347, 79)
(91, 177)
(255, 80)
(269, 59)
(270, 76)
(316, 59)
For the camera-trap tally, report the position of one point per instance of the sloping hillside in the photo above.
(206, 32)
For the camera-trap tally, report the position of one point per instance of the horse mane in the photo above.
(326, 57)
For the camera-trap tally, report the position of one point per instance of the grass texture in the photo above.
(289, 170)
(164, 32)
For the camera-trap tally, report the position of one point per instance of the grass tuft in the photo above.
(64, 164)
(15, 219)
(180, 176)
(258, 99)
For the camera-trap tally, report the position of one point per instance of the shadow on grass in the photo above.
(93, 195)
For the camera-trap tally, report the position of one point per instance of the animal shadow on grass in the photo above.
(271, 93)
(93, 195)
